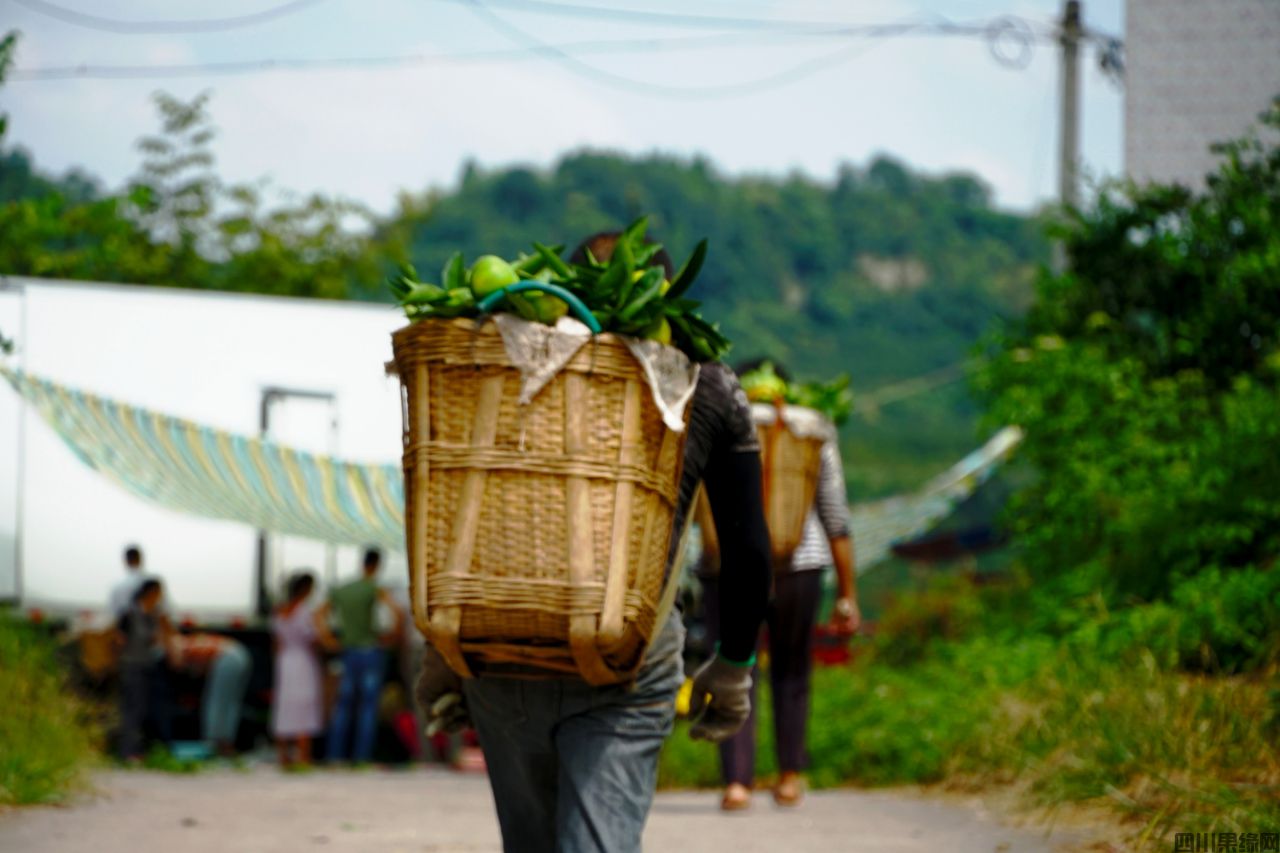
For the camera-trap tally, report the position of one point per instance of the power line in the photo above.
(531, 48)
(619, 81)
(206, 25)
(913, 387)
(1005, 23)
(606, 13)
(1010, 39)
(1006, 27)
(249, 66)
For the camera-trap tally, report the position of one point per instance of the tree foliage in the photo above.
(178, 224)
(1147, 381)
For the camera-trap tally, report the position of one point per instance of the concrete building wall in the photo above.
(1198, 72)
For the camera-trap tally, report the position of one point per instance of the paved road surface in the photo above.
(436, 811)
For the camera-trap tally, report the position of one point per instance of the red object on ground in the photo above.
(406, 729)
(440, 745)
(36, 615)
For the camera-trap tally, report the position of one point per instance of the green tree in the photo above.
(1146, 379)
(178, 224)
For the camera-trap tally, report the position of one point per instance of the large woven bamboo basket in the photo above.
(537, 534)
(790, 465)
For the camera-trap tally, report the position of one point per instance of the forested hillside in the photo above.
(883, 273)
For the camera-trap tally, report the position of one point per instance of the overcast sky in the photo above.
(938, 103)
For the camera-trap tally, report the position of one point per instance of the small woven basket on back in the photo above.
(538, 533)
(790, 466)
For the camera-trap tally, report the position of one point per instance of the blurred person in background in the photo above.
(297, 695)
(225, 666)
(791, 618)
(143, 637)
(364, 658)
(122, 593)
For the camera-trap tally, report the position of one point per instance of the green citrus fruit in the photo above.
(537, 306)
(550, 308)
(491, 273)
(660, 332)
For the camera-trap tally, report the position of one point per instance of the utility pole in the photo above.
(1069, 146)
(262, 573)
(1069, 34)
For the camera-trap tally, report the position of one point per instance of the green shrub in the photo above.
(916, 620)
(1102, 712)
(877, 724)
(45, 737)
(1216, 621)
(1146, 379)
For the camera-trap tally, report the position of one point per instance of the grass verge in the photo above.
(1163, 749)
(46, 737)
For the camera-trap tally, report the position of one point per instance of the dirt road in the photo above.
(261, 810)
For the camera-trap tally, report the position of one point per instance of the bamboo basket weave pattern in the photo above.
(790, 465)
(537, 534)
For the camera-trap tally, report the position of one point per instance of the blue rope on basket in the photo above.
(580, 310)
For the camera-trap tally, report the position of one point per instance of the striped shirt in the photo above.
(828, 517)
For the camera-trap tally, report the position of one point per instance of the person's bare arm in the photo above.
(169, 641)
(831, 504)
(846, 617)
(397, 612)
(320, 619)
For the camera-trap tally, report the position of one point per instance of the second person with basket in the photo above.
(822, 540)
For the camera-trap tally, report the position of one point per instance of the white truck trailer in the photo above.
(308, 373)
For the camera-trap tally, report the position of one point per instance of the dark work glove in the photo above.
(440, 695)
(721, 699)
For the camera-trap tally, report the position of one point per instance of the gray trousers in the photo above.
(144, 698)
(224, 688)
(574, 767)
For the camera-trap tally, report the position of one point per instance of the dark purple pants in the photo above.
(791, 617)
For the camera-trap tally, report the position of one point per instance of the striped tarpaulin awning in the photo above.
(879, 525)
(217, 474)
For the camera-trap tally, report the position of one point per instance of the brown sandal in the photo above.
(736, 798)
(789, 791)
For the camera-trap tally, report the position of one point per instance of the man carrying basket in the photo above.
(572, 765)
